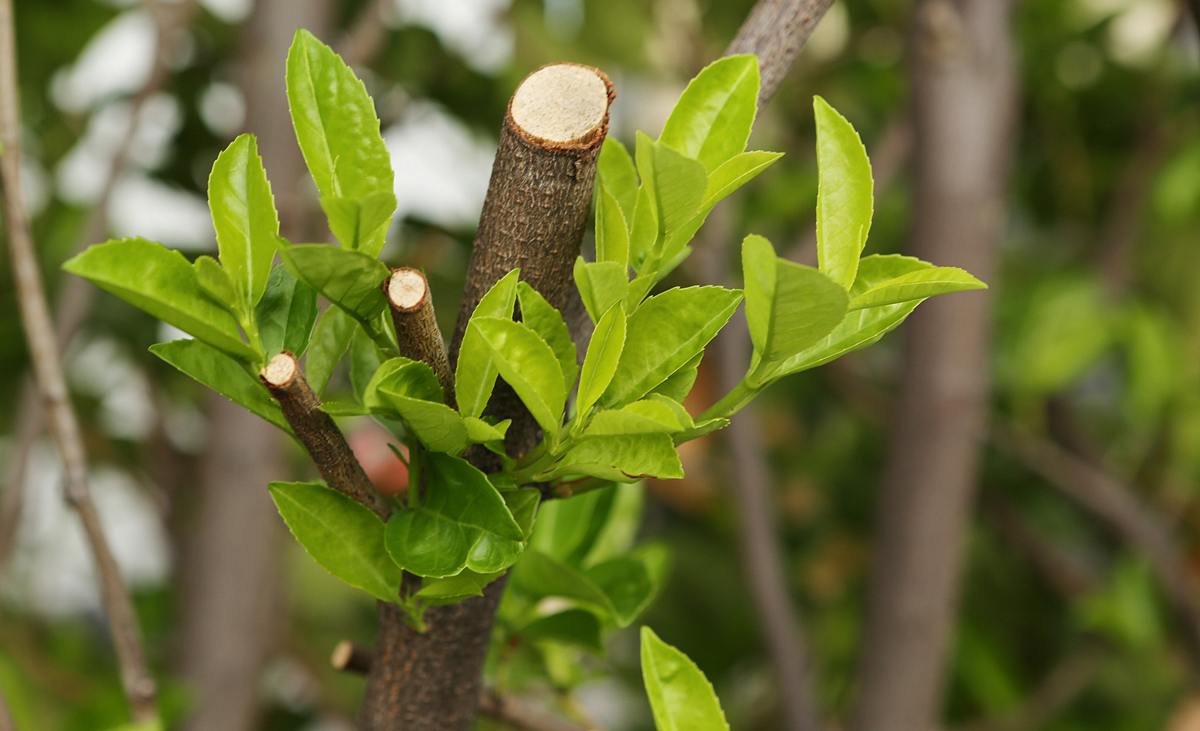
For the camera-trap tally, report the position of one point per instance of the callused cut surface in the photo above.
(560, 103)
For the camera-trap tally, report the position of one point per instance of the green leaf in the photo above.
(914, 280)
(330, 340)
(216, 283)
(349, 279)
(734, 173)
(679, 184)
(679, 384)
(481, 432)
(648, 416)
(346, 538)
(223, 374)
(548, 323)
(681, 697)
(243, 214)
(845, 196)
(644, 231)
(603, 355)
(666, 332)
(161, 282)
(453, 589)
(462, 522)
(529, 365)
(403, 377)
(626, 458)
(523, 504)
(617, 175)
(626, 579)
(475, 374)
(788, 306)
(286, 313)
(338, 132)
(601, 285)
(409, 390)
(711, 121)
(571, 627)
(565, 529)
(612, 232)
(364, 361)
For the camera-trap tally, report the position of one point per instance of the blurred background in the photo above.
(998, 505)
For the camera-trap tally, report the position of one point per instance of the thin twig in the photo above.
(47, 365)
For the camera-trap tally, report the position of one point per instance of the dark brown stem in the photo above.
(318, 433)
(48, 373)
(963, 116)
(417, 333)
(775, 31)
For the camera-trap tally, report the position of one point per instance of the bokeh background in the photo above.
(1080, 585)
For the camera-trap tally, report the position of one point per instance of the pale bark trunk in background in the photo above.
(233, 581)
(964, 93)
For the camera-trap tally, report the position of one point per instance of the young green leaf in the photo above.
(527, 364)
(734, 173)
(330, 341)
(216, 284)
(403, 377)
(244, 217)
(679, 384)
(612, 232)
(664, 334)
(711, 121)
(338, 132)
(437, 426)
(481, 432)
(286, 313)
(681, 697)
(577, 627)
(454, 589)
(625, 458)
(913, 280)
(644, 231)
(548, 323)
(617, 175)
(678, 185)
(349, 279)
(346, 538)
(160, 281)
(648, 416)
(603, 355)
(565, 529)
(475, 375)
(223, 374)
(845, 196)
(626, 578)
(788, 306)
(601, 285)
(461, 522)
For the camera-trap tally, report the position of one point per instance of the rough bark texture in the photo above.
(320, 435)
(418, 335)
(775, 31)
(963, 82)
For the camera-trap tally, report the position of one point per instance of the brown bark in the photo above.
(963, 84)
(775, 31)
(417, 331)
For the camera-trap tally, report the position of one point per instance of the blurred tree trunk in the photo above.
(964, 95)
(233, 570)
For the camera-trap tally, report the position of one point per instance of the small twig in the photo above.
(417, 333)
(318, 433)
(47, 366)
(776, 31)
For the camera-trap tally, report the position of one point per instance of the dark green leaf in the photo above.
(286, 313)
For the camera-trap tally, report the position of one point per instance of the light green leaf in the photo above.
(603, 355)
(601, 285)
(548, 323)
(346, 538)
(216, 284)
(349, 279)
(648, 416)
(527, 364)
(680, 696)
(481, 432)
(612, 232)
(617, 175)
(454, 589)
(644, 231)
(679, 184)
(734, 173)
(679, 384)
(330, 341)
(223, 374)
(244, 217)
(286, 313)
(788, 306)
(626, 578)
(475, 374)
(711, 121)
(161, 282)
(622, 458)
(409, 390)
(914, 280)
(845, 196)
(666, 332)
(462, 522)
(338, 132)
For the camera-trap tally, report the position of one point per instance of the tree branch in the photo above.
(776, 31)
(47, 366)
(417, 333)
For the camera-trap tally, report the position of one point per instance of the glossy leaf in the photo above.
(617, 175)
(286, 313)
(601, 285)
(461, 522)
(548, 323)
(679, 384)
(349, 279)
(161, 282)
(711, 121)
(612, 231)
(680, 696)
(734, 173)
(666, 332)
(622, 458)
(913, 280)
(679, 184)
(216, 284)
(330, 340)
(603, 355)
(845, 196)
(223, 374)
(475, 374)
(648, 416)
(244, 217)
(346, 538)
(529, 365)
